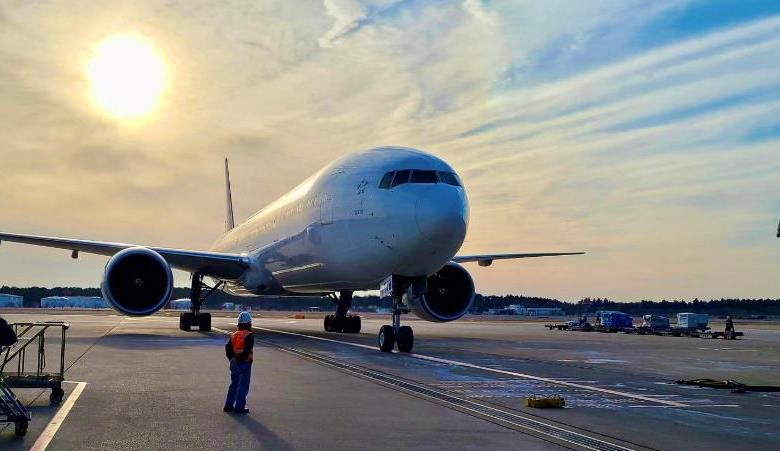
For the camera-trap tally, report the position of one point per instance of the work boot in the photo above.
(241, 411)
(227, 409)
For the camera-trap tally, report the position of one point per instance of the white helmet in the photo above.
(244, 317)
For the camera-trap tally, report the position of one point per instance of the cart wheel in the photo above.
(56, 395)
(20, 428)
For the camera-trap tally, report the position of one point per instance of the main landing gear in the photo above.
(342, 321)
(194, 318)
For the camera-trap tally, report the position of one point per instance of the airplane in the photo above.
(387, 218)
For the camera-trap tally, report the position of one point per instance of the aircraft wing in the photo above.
(487, 259)
(221, 265)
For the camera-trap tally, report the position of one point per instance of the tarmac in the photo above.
(140, 384)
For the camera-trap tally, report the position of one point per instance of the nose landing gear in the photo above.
(390, 335)
(402, 335)
(342, 321)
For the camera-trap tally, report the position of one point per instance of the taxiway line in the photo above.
(623, 394)
(507, 418)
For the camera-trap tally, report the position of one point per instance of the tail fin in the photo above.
(229, 224)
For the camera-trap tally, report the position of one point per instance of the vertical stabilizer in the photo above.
(229, 223)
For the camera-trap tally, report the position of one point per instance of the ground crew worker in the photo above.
(729, 333)
(7, 334)
(239, 350)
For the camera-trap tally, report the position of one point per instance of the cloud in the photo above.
(348, 15)
(571, 132)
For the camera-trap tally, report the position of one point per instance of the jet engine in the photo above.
(137, 281)
(449, 295)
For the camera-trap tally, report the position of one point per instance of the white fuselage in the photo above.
(339, 230)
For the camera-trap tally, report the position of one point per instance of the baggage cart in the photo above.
(32, 337)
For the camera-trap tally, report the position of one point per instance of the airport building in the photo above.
(546, 311)
(11, 300)
(180, 304)
(73, 302)
(519, 309)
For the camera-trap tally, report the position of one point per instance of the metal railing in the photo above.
(32, 335)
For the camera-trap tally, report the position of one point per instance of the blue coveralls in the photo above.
(240, 375)
(239, 350)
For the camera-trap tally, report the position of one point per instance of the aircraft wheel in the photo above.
(405, 339)
(185, 321)
(354, 324)
(56, 395)
(326, 323)
(204, 322)
(386, 338)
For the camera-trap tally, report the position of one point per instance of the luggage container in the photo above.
(655, 322)
(692, 320)
(613, 321)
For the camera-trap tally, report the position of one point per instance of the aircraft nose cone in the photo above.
(442, 212)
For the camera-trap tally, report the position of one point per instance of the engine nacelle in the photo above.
(449, 295)
(137, 281)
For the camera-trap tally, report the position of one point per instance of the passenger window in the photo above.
(401, 177)
(449, 178)
(423, 176)
(387, 180)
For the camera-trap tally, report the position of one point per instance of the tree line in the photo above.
(717, 307)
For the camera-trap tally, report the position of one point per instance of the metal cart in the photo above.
(12, 410)
(14, 369)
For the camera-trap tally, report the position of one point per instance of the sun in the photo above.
(127, 76)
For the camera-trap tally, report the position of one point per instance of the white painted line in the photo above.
(552, 381)
(54, 425)
(690, 406)
(494, 370)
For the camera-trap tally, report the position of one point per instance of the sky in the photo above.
(644, 133)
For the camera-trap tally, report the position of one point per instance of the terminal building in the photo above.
(546, 311)
(180, 304)
(11, 300)
(73, 302)
(517, 309)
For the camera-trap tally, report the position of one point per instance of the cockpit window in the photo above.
(395, 178)
(419, 176)
(449, 178)
(387, 180)
(401, 177)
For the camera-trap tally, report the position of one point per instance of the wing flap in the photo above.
(216, 264)
(487, 259)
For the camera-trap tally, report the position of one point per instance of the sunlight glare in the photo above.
(127, 75)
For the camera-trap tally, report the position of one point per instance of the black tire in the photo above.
(386, 338)
(205, 322)
(56, 395)
(340, 324)
(185, 321)
(326, 323)
(405, 339)
(20, 428)
(354, 324)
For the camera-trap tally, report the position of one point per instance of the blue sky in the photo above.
(645, 133)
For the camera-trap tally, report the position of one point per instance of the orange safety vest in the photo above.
(237, 341)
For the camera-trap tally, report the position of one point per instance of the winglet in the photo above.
(229, 224)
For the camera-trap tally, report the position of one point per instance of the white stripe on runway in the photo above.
(665, 402)
(54, 425)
